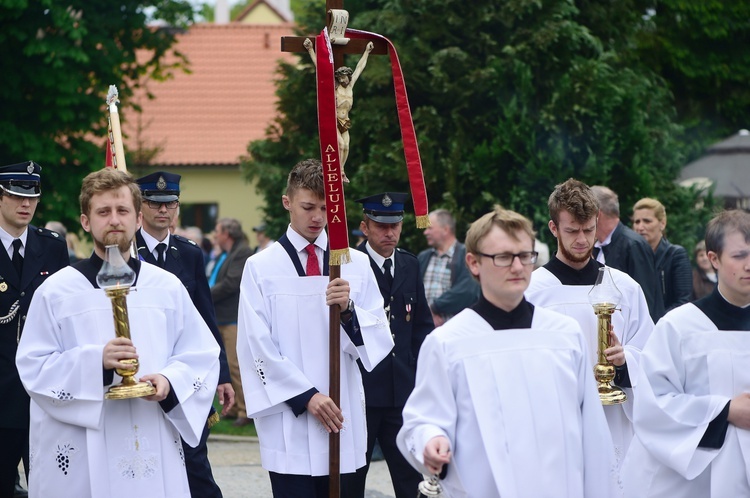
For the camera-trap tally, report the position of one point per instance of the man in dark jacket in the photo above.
(29, 255)
(448, 284)
(388, 386)
(183, 258)
(620, 247)
(225, 292)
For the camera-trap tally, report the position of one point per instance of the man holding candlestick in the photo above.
(563, 285)
(81, 444)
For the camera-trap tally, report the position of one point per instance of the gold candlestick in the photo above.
(604, 297)
(115, 278)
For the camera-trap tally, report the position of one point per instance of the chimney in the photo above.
(221, 12)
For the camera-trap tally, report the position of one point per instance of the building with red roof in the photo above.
(199, 123)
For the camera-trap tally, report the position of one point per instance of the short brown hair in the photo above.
(105, 180)
(509, 221)
(733, 220)
(654, 205)
(306, 174)
(576, 198)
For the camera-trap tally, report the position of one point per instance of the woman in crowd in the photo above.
(670, 260)
(704, 275)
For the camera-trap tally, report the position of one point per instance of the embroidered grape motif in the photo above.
(63, 457)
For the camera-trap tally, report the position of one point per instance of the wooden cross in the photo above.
(294, 43)
(354, 46)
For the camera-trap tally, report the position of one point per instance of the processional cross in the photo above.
(333, 169)
(333, 124)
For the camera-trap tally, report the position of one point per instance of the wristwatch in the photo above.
(349, 308)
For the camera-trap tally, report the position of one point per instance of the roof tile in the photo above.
(210, 115)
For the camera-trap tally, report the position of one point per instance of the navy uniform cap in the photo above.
(387, 207)
(160, 186)
(21, 179)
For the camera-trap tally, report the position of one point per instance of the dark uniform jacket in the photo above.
(464, 290)
(184, 259)
(674, 273)
(44, 254)
(226, 292)
(391, 382)
(629, 252)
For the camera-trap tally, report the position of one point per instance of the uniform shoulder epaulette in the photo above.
(49, 233)
(406, 253)
(185, 240)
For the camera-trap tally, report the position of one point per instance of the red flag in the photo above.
(109, 161)
(408, 135)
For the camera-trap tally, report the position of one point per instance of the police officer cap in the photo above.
(21, 179)
(387, 207)
(260, 228)
(160, 186)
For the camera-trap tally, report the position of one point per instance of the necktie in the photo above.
(387, 272)
(17, 258)
(160, 248)
(312, 268)
(599, 256)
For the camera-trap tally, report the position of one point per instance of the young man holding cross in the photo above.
(282, 345)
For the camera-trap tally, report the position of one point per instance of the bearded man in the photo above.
(563, 285)
(82, 444)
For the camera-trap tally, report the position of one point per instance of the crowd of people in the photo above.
(470, 363)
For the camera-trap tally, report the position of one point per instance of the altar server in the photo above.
(505, 396)
(282, 345)
(81, 444)
(692, 413)
(564, 283)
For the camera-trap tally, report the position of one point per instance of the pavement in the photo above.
(236, 465)
(235, 461)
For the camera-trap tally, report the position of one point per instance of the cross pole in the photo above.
(354, 46)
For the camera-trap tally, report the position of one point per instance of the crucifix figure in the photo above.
(345, 80)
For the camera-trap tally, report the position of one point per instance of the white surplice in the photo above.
(690, 372)
(282, 346)
(82, 445)
(519, 407)
(632, 325)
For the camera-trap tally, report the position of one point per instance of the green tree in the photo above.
(509, 98)
(699, 48)
(57, 61)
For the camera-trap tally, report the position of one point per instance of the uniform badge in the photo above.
(387, 201)
(30, 168)
(3, 287)
(161, 184)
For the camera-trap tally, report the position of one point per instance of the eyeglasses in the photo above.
(506, 259)
(158, 205)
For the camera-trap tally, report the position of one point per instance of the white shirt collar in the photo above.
(299, 242)
(605, 242)
(151, 242)
(380, 260)
(7, 240)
